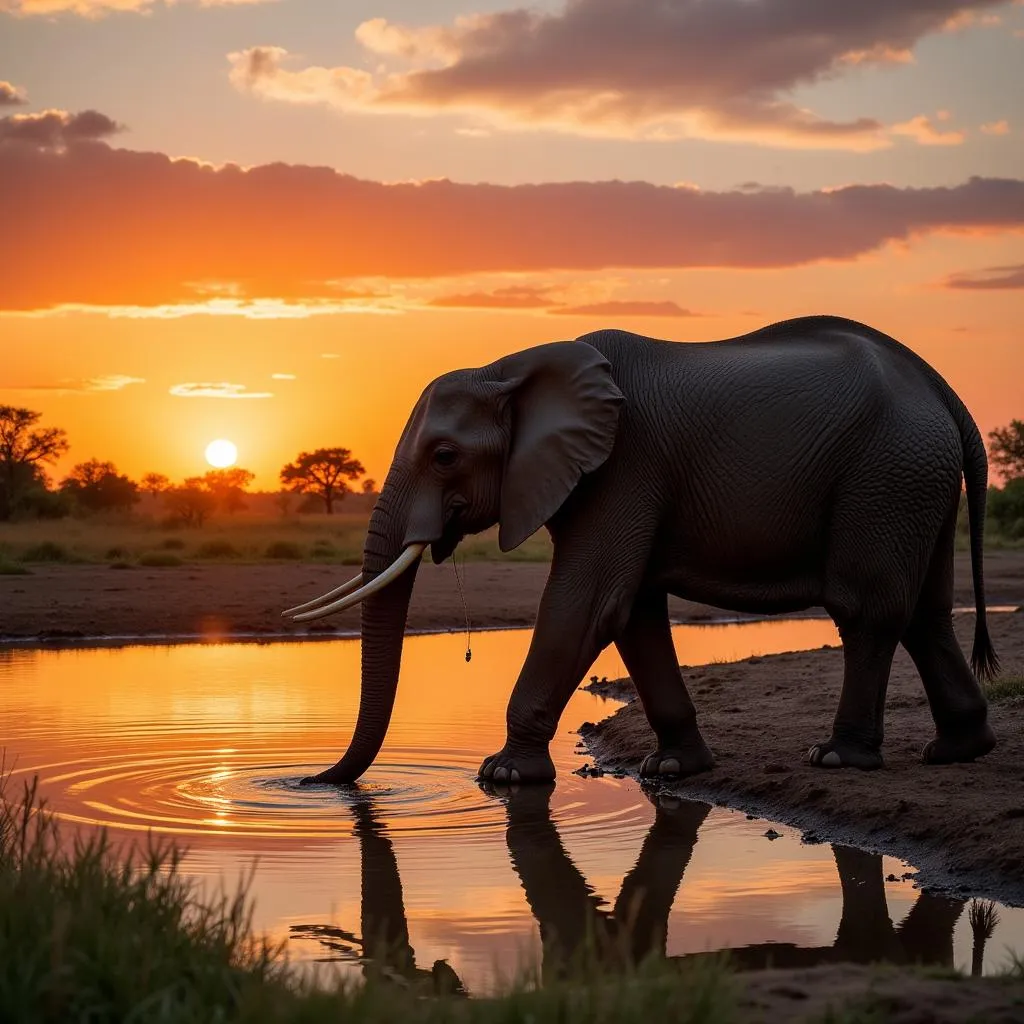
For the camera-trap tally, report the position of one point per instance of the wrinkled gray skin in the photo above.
(814, 463)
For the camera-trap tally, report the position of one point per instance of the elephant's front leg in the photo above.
(580, 613)
(650, 657)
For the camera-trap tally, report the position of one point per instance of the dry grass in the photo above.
(243, 538)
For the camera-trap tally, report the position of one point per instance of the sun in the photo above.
(220, 454)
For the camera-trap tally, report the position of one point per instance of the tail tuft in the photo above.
(984, 659)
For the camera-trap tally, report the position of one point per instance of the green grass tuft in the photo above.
(47, 551)
(1009, 686)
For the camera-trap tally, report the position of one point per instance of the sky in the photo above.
(275, 222)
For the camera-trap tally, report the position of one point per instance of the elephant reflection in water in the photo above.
(384, 947)
(573, 926)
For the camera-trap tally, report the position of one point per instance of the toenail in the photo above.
(670, 766)
(500, 774)
(812, 755)
(515, 775)
(832, 760)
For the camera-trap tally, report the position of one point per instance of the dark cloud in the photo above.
(627, 307)
(725, 68)
(55, 129)
(140, 228)
(513, 297)
(990, 278)
(11, 95)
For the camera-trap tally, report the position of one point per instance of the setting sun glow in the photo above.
(220, 454)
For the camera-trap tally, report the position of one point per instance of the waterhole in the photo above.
(207, 743)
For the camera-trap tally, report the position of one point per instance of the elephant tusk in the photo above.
(345, 588)
(407, 558)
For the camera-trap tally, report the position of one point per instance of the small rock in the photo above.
(772, 834)
(891, 878)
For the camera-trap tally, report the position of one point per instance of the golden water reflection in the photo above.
(207, 742)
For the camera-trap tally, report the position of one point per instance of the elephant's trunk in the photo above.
(383, 632)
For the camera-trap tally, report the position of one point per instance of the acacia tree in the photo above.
(1006, 447)
(322, 472)
(154, 484)
(97, 486)
(24, 448)
(228, 487)
(191, 503)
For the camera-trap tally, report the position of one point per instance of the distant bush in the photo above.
(116, 553)
(172, 544)
(47, 551)
(217, 549)
(8, 568)
(284, 549)
(323, 548)
(159, 560)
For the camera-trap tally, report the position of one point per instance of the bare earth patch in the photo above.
(962, 825)
(76, 601)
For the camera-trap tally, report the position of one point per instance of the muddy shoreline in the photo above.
(219, 601)
(962, 826)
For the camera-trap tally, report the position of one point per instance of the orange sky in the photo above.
(281, 244)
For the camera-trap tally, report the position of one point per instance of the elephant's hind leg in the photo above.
(856, 740)
(647, 650)
(957, 702)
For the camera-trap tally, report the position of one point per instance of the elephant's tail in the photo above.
(983, 657)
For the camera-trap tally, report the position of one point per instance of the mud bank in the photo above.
(219, 600)
(961, 825)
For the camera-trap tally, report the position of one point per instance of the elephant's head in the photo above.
(504, 443)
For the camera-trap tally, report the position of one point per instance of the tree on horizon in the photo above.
(1006, 449)
(228, 487)
(24, 449)
(97, 486)
(154, 484)
(322, 472)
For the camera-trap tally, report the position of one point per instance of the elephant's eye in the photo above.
(445, 456)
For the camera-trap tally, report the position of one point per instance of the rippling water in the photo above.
(208, 742)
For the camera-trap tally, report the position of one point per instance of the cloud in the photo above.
(994, 278)
(283, 376)
(220, 390)
(627, 307)
(11, 95)
(996, 128)
(100, 8)
(113, 382)
(727, 69)
(330, 355)
(514, 297)
(90, 385)
(923, 131)
(139, 229)
(56, 129)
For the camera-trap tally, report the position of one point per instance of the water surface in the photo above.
(207, 742)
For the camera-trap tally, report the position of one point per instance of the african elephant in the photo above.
(813, 463)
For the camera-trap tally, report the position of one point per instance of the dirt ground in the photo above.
(889, 994)
(962, 825)
(95, 601)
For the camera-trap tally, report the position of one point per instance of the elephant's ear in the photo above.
(565, 410)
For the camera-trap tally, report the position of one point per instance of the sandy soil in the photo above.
(962, 825)
(92, 600)
(887, 994)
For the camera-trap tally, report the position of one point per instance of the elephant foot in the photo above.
(840, 753)
(677, 761)
(516, 767)
(955, 748)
